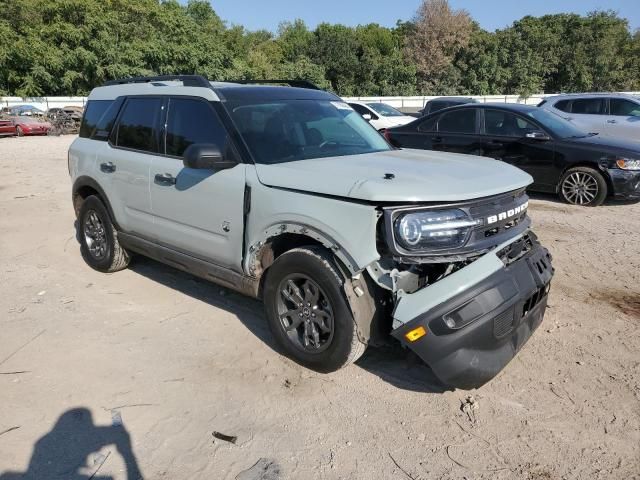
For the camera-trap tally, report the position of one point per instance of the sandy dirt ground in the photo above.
(112, 376)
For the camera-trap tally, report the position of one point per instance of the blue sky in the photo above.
(491, 14)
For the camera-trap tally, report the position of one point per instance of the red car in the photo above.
(7, 128)
(30, 126)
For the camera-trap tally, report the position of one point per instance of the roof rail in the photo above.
(291, 83)
(187, 80)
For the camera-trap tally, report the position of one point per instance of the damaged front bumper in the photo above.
(478, 318)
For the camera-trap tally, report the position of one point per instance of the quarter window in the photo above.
(137, 125)
(562, 105)
(192, 121)
(94, 111)
(506, 124)
(588, 106)
(458, 121)
(624, 108)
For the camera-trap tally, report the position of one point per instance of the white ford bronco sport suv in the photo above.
(288, 195)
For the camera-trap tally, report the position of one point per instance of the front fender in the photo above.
(346, 228)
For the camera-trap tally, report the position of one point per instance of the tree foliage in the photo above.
(66, 47)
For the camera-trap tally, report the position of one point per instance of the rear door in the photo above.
(123, 166)
(504, 138)
(589, 114)
(197, 212)
(623, 119)
(457, 131)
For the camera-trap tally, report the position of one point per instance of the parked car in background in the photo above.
(610, 114)
(53, 113)
(26, 110)
(441, 103)
(381, 115)
(30, 126)
(7, 128)
(74, 112)
(583, 168)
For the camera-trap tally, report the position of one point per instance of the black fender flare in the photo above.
(86, 181)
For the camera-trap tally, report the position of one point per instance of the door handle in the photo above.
(494, 143)
(165, 179)
(107, 167)
(436, 140)
(612, 121)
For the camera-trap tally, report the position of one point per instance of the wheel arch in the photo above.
(85, 186)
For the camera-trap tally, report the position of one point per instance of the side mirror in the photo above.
(206, 156)
(537, 135)
(367, 116)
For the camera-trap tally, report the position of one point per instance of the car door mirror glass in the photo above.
(206, 156)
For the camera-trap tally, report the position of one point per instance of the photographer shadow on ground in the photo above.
(66, 451)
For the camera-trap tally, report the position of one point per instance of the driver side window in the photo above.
(506, 124)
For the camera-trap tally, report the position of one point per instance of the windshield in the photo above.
(385, 110)
(288, 130)
(559, 126)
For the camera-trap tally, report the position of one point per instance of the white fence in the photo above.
(403, 103)
(43, 103)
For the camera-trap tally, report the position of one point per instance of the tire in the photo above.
(19, 131)
(98, 238)
(319, 305)
(583, 186)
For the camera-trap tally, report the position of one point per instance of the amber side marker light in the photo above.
(415, 334)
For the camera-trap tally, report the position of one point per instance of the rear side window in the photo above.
(192, 121)
(428, 125)
(94, 111)
(458, 121)
(563, 105)
(588, 106)
(624, 108)
(435, 106)
(137, 127)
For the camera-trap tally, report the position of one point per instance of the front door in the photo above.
(504, 138)
(198, 212)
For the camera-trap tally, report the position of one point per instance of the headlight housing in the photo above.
(628, 163)
(417, 231)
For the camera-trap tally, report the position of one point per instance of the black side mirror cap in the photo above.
(206, 156)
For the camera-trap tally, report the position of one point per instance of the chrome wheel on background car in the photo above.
(305, 313)
(583, 186)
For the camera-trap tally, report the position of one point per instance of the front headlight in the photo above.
(433, 230)
(628, 164)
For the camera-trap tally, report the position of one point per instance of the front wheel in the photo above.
(19, 131)
(583, 186)
(308, 312)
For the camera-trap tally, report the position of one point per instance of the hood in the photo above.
(608, 145)
(419, 176)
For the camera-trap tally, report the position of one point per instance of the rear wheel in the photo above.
(583, 186)
(308, 312)
(98, 238)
